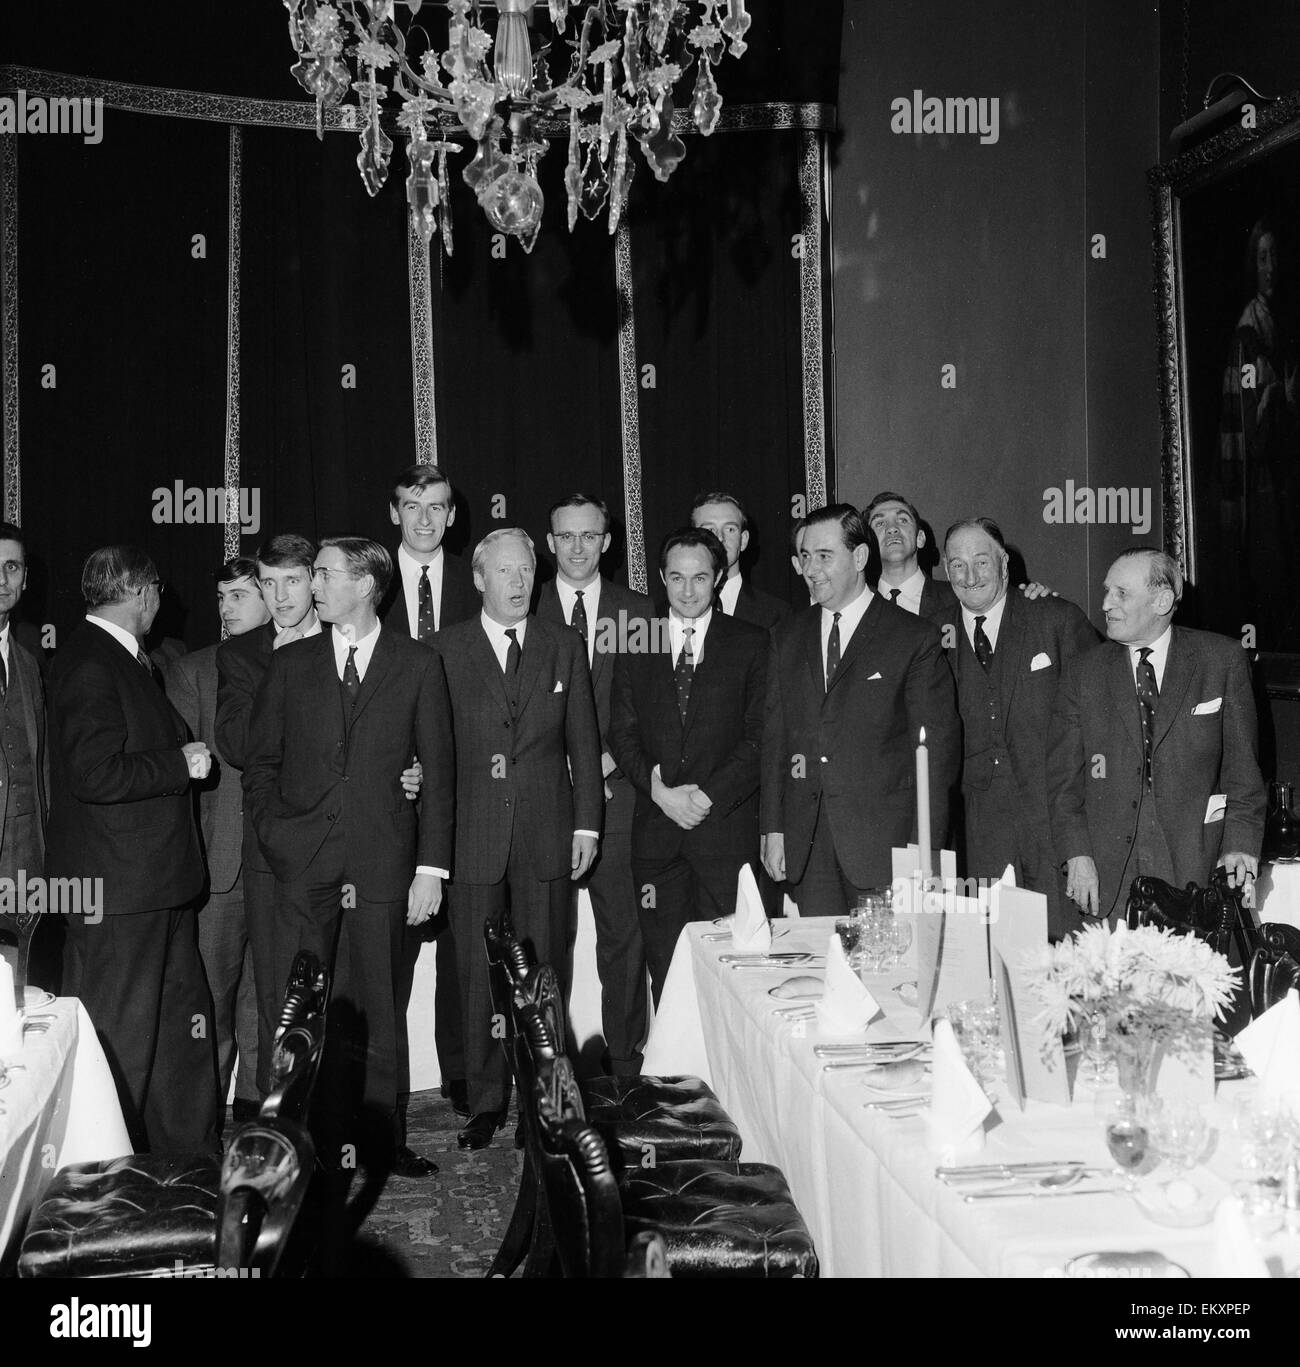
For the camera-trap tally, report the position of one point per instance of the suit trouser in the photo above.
(362, 944)
(260, 899)
(228, 964)
(540, 911)
(140, 978)
(825, 889)
(692, 886)
(620, 954)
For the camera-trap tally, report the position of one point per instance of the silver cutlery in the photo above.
(765, 960)
(1037, 1193)
(882, 1053)
(1032, 1167)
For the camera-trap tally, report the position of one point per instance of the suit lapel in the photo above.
(1177, 680)
(859, 641)
(1123, 692)
(485, 659)
(29, 686)
(548, 603)
(531, 654)
(1011, 647)
(812, 645)
(381, 661)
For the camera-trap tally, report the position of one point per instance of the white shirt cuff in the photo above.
(428, 868)
(595, 835)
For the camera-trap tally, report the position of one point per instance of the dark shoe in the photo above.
(243, 1109)
(478, 1133)
(457, 1093)
(408, 1163)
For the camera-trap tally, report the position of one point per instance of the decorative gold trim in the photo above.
(422, 386)
(629, 398)
(233, 267)
(810, 314)
(13, 491)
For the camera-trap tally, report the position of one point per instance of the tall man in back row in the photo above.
(850, 683)
(1153, 764)
(723, 515)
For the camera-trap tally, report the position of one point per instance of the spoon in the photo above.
(1050, 1182)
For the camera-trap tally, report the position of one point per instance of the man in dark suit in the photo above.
(529, 797)
(432, 589)
(850, 684)
(723, 515)
(687, 730)
(24, 759)
(605, 615)
(333, 723)
(223, 922)
(901, 538)
(120, 810)
(1153, 762)
(1008, 654)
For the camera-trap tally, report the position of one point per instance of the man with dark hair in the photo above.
(901, 538)
(335, 720)
(687, 730)
(223, 921)
(1008, 654)
(432, 589)
(850, 684)
(120, 810)
(604, 614)
(24, 759)
(723, 515)
(529, 799)
(1153, 761)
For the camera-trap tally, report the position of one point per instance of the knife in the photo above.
(984, 1171)
(1036, 1193)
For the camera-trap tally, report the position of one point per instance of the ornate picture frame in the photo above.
(1227, 259)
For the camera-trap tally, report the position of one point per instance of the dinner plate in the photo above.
(888, 1077)
(728, 923)
(1164, 1202)
(34, 997)
(790, 991)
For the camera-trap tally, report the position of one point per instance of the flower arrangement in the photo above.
(1148, 988)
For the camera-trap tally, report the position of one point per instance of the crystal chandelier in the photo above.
(628, 58)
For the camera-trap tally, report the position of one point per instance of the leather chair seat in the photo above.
(130, 1217)
(719, 1221)
(660, 1118)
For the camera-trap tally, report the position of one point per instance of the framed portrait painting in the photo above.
(1227, 243)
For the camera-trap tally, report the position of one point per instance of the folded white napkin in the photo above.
(955, 1121)
(1235, 1252)
(750, 932)
(846, 1007)
(1271, 1048)
(11, 1019)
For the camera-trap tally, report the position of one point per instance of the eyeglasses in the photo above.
(152, 584)
(328, 576)
(566, 539)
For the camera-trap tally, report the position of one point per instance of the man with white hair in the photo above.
(529, 793)
(1153, 762)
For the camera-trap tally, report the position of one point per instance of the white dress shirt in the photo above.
(729, 593)
(677, 635)
(119, 634)
(850, 615)
(313, 630)
(568, 596)
(410, 569)
(992, 623)
(1159, 656)
(909, 592)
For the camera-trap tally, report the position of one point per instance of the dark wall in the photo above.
(949, 251)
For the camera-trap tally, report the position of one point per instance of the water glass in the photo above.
(977, 1027)
(1178, 1130)
(1127, 1130)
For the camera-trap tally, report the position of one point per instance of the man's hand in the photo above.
(424, 898)
(198, 759)
(676, 804)
(701, 801)
(1242, 869)
(284, 637)
(584, 851)
(772, 850)
(1036, 590)
(411, 779)
(1081, 884)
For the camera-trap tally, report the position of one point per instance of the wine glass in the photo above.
(1179, 1131)
(1128, 1136)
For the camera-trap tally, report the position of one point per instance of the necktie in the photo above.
(893, 595)
(833, 650)
(1148, 692)
(351, 679)
(4, 678)
(983, 648)
(685, 672)
(513, 653)
(579, 619)
(146, 664)
(424, 625)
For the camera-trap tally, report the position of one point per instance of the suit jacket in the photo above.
(614, 600)
(1205, 743)
(120, 805)
(460, 599)
(937, 600)
(759, 608)
(192, 687)
(242, 662)
(718, 745)
(308, 766)
(32, 691)
(853, 747)
(513, 774)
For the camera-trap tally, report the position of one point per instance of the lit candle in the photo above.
(923, 807)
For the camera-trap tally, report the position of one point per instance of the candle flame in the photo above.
(922, 740)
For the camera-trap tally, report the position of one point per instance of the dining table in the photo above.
(864, 1177)
(58, 1105)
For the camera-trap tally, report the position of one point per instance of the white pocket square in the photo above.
(876, 675)
(1040, 661)
(1204, 709)
(1216, 807)
(559, 687)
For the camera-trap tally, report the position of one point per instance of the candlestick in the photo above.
(923, 808)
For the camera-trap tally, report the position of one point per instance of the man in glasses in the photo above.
(603, 614)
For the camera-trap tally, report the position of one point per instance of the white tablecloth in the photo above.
(59, 1107)
(1278, 894)
(865, 1183)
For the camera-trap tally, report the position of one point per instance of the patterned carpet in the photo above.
(449, 1225)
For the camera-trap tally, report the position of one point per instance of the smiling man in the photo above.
(529, 796)
(723, 515)
(1154, 764)
(850, 684)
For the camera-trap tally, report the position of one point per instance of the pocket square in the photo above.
(1216, 807)
(1204, 709)
(559, 687)
(876, 675)
(1040, 661)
